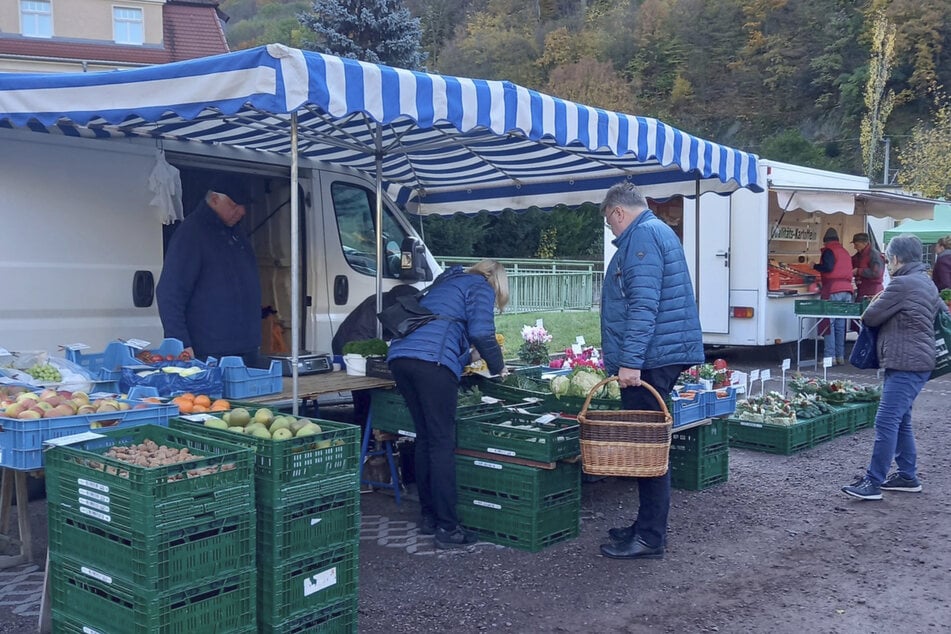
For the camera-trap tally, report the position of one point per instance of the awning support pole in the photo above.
(295, 267)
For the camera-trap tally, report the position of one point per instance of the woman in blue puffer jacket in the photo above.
(427, 365)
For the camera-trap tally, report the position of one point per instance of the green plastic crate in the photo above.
(823, 428)
(696, 474)
(525, 531)
(551, 442)
(779, 439)
(699, 441)
(340, 618)
(809, 307)
(145, 500)
(162, 561)
(334, 451)
(864, 414)
(100, 604)
(301, 528)
(302, 586)
(391, 415)
(843, 422)
(271, 494)
(516, 486)
(845, 309)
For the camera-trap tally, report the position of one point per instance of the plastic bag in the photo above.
(208, 381)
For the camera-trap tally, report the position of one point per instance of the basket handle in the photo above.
(650, 388)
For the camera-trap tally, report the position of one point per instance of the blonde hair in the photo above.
(495, 275)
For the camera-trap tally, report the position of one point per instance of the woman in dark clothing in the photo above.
(941, 274)
(427, 365)
(904, 314)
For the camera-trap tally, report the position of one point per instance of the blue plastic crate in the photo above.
(687, 410)
(21, 441)
(720, 402)
(105, 368)
(240, 381)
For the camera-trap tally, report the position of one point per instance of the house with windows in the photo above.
(56, 36)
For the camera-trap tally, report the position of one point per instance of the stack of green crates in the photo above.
(700, 456)
(146, 550)
(519, 506)
(308, 527)
(391, 415)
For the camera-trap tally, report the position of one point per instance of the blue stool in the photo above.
(385, 448)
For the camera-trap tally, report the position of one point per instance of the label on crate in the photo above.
(490, 505)
(136, 343)
(69, 440)
(96, 514)
(89, 630)
(320, 581)
(82, 482)
(488, 465)
(4, 352)
(489, 400)
(94, 505)
(198, 418)
(544, 419)
(746, 423)
(99, 497)
(315, 520)
(403, 432)
(74, 346)
(501, 452)
(95, 574)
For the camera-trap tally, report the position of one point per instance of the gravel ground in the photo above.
(775, 549)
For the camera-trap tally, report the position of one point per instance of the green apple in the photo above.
(280, 423)
(238, 417)
(215, 423)
(261, 432)
(310, 429)
(282, 434)
(263, 416)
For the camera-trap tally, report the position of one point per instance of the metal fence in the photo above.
(546, 285)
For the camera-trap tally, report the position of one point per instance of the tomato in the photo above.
(169, 357)
(719, 364)
(184, 356)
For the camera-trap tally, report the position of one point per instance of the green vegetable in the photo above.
(366, 347)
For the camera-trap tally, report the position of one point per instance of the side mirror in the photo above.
(413, 264)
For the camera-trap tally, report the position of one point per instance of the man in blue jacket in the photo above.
(209, 295)
(650, 333)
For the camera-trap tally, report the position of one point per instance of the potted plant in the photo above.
(946, 296)
(356, 353)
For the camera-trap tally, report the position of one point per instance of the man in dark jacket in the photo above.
(835, 270)
(209, 295)
(650, 333)
(868, 267)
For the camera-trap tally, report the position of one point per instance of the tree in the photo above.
(878, 101)
(378, 31)
(926, 157)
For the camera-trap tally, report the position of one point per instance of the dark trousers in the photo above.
(653, 493)
(431, 392)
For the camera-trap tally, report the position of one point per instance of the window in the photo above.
(128, 26)
(355, 208)
(36, 18)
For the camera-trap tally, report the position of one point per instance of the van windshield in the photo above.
(355, 209)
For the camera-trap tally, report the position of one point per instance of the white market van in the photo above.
(746, 235)
(83, 247)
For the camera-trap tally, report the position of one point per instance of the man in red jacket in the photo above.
(835, 271)
(868, 267)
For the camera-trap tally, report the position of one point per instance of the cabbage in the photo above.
(582, 382)
(559, 385)
(614, 391)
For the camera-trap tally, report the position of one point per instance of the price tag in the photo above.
(136, 343)
(576, 348)
(4, 352)
(765, 375)
(545, 419)
(786, 364)
(74, 346)
(827, 362)
(754, 375)
(579, 340)
(540, 323)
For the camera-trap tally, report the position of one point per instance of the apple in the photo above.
(261, 432)
(263, 416)
(238, 417)
(12, 411)
(30, 414)
(282, 433)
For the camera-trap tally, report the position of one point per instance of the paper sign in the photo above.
(579, 340)
(786, 364)
(545, 419)
(738, 378)
(136, 343)
(827, 362)
(754, 375)
(576, 348)
(4, 352)
(540, 323)
(765, 375)
(69, 440)
(74, 346)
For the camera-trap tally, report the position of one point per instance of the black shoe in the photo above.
(427, 525)
(897, 482)
(457, 538)
(621, 534)
(864, 489)
(632, 549)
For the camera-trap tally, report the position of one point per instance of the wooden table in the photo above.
(14, 481)
(313, 385)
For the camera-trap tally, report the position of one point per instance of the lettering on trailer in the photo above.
(785, 232)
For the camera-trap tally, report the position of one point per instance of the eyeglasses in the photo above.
(607, 216)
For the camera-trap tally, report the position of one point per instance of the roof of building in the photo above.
(191, 28)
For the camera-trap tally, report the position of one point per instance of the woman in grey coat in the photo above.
(904, 314)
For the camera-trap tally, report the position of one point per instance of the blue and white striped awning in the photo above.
(440, 144)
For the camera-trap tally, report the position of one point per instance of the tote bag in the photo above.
(865, 352)
(942, 342)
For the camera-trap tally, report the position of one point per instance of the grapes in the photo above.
(45, 372)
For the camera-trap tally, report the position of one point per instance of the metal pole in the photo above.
(696, 246)
(295, 266)
(379, 229)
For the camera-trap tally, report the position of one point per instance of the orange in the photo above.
(220, 405)
(185, 406)
(196, 409)
(202, 400)
(188, 395)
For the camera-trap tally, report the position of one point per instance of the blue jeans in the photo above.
(834, 345)
(893, 435)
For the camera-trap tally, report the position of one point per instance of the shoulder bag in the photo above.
(406, 314)
(865, 352)
(942, 342)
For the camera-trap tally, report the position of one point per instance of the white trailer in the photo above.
(743, 234)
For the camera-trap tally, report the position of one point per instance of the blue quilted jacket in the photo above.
(470, 300)
(649, 317)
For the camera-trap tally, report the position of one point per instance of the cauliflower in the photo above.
(559, 385)
(613, 391)
(582, 382)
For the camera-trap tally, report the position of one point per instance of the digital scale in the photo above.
(307, 363)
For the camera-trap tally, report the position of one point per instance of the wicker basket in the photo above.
(633, 443)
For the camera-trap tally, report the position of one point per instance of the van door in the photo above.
(713, 241)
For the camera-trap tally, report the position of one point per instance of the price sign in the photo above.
(754, 375)
(540, 323)
(786, 364)
(137, 343)
(579, 340)
(827, 362)
(576, 348)
(4, 352)
(765, 375)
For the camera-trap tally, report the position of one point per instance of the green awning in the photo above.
(928, 231)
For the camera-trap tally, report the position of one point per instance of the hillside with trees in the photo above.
(820, 83)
